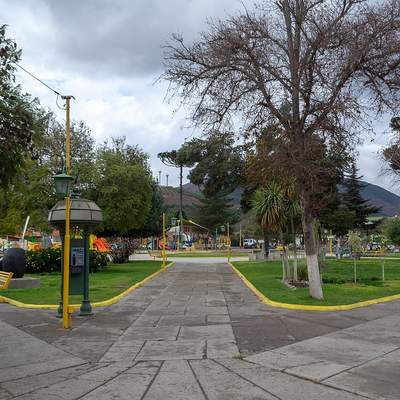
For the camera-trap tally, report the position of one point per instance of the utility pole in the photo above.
(159, 178)
(67, 238)
(164, 256)
(167, 176)
(180, 200)
(229, 244)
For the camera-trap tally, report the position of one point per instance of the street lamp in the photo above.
(63, 184)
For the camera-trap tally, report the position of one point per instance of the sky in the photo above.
(108, 55)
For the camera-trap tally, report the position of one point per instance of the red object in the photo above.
(160, 246)
(101, 245)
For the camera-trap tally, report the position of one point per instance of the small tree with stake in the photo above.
(355, 243)
(313, 68)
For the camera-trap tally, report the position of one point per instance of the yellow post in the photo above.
(164, 256)
(67, 240)
(229, 244)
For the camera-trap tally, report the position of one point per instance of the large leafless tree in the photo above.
(316, 68)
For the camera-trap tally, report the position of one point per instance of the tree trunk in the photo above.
(285, 260)
(295, 278)
(266, 243)
(286, 263)
(284, 276)
(314, 278)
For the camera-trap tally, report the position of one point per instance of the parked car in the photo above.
(249, 243)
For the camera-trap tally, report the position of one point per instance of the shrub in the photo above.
(302, 274)
(97, 260)
(334, 280)
(122, 248)
(49, 260)
(43, 261)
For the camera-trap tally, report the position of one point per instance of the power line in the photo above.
(39, 80)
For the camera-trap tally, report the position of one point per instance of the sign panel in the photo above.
(77, 259)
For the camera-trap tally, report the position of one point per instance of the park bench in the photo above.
(5, 279)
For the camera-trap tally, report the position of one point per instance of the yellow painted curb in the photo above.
(74, 307)
(344, 307)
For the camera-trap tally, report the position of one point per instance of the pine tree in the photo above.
(353, 199)
(216, 210)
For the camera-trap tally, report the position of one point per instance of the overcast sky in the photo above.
(108, 54)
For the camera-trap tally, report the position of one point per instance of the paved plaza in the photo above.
(197, 332)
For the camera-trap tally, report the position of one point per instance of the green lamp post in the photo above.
(63, 183)
(84, 215)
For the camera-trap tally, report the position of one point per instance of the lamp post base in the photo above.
(60, 310)
(86, 308)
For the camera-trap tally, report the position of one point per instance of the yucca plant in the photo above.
(275, 206)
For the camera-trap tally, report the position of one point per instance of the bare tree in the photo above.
(316, 68)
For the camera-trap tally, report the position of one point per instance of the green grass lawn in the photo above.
(266, 277)
(103, 285)
(208, 254)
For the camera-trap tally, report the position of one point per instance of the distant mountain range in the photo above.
(376, 196)
(380, 197)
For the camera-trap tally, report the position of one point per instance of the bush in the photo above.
(334, 280)
(49, 260)
(43, 261)
(302, 274)
(122, 248)
(97, 260)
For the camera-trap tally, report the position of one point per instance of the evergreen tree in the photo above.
(353, 199)
(216, 210)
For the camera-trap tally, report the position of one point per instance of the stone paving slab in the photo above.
(183, 336)
(219, 383)
(182, 349)
(175, 381)
(286, 387)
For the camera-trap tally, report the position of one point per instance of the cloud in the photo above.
(108, 53)
(106, 37)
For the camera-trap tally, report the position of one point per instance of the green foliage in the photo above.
(97, 260)
(153, 224)
(20, 115)
(217, 161)
(216, 210)
(275, 205)
(268, 204)
(355, 241)
(353, 200)
(49, 260)
(302, 273)
(123, 187)
(391, 229)
(43, 261)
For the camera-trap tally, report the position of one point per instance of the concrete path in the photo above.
(196, 332)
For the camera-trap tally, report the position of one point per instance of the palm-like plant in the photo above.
(275, 205)
(269, 206)
(268, 203)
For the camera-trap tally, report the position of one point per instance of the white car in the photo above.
(249, 243)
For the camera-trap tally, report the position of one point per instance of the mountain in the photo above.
(171, 196)
(380, 197)
(376, 196)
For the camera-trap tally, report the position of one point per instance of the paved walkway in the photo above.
(196, 332)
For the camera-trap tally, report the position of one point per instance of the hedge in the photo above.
(49, 260)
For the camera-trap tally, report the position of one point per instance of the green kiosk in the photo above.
(85, 215)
